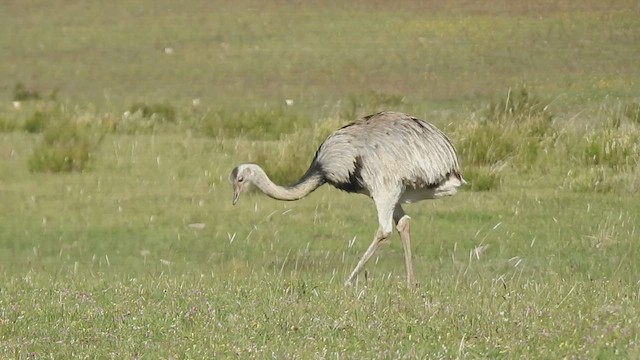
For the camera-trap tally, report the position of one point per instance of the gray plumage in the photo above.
(391, 157)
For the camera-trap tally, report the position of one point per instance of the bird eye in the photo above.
(240, 179)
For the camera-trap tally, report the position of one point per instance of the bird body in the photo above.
(389, 150)
(391, 157)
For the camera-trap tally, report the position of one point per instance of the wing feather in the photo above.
(384, 149)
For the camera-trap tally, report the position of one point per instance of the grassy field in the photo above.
(250, 53)
(117, 234)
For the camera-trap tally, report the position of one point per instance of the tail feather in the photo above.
(459, 177)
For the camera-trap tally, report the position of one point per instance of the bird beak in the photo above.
(236, 194)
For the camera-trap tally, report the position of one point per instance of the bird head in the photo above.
(240, 178)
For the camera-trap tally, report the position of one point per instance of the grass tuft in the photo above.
(518, 105)
(512, 130)
(66, 146)
(483, 178)
(611, 147)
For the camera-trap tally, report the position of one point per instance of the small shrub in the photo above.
(264, 124)
(157, 111)
(511, 130)
(66, 146)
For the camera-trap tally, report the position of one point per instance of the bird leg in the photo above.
(385, 204)
(380, 237)
(402, 225)
(404, 229)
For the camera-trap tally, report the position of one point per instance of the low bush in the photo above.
(512, 130)
(66, 146)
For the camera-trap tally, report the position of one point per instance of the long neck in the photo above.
(311, 180)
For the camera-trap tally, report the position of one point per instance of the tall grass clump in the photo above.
(482, 178)
(262, 123)
(511, 131)
(612, 148)
(602, 158)
(66, 145)
(612, 144)
(610, 158)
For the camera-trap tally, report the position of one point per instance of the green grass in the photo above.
(141, 254)
(250, 53)
(145, 256)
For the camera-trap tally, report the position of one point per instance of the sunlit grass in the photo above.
(142, 255)
(146, 255)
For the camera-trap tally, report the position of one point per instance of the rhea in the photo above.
(393, 158)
